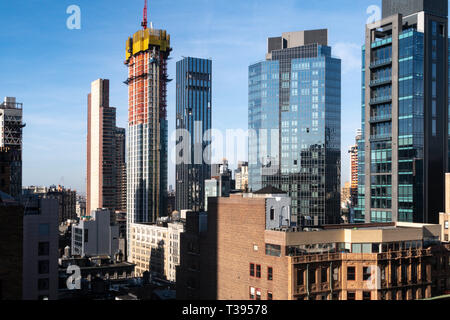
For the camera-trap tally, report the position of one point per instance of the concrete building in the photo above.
(295, 124)
(156, 248)
(146, 55)
(105, 152)
(193, 124)
(121, 170)
(80, 206)
(405, 113)
(11, 248)
(67, 199)
(96, 236)
(241, 176)
(40, 248)
(11, 127)
(244, 252)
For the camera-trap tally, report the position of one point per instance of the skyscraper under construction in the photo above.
(147, 52)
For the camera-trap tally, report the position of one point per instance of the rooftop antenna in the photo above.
(144, 21)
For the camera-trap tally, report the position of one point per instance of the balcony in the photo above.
(379, 82)
(381, 118)
(405, 254)
(383, 136)
(380, 63)
(379, 100)
(316, 258)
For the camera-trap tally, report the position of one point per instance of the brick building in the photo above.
(244, 249)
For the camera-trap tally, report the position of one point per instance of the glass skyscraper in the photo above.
(194, 94)
(404, 114)
(295, 125)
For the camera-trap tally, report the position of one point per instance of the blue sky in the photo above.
(49, 67)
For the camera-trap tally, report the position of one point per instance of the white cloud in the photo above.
(350, 54)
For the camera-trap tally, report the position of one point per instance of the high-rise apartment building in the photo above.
(193, 122)
(101, 179)
(11, 127)
(295, 124)
(405, 113)
(121, 170)
(147, 52)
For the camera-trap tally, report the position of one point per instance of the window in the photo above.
(351, 296)
(366, 273)
(252, 270)
(270, 273)
(258, 294)
(336, 274)
(258, 271)
(300, 277)
(312, 276)
(269, 295)
(44, 267)
(43, 249)
(43, 284)
(351, 274)
(446, 225)
(252, 293)
(272, 214)
(367, 295)
(273, 250)
(44, 229)
(324, 275)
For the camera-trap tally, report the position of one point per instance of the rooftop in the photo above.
(409, 7)
(269, 190)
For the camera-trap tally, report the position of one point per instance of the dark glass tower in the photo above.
(193, 123)
(405, 113)
(295, 125)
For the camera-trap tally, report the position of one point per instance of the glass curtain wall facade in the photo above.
(404, 120)
(193, 103)
(294, 123)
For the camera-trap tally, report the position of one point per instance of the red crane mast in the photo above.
(144, 21)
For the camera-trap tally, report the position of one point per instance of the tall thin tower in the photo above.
(101, 167)
(194, 110)
(147, 52)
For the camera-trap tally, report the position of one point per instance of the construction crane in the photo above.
(144, 21)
